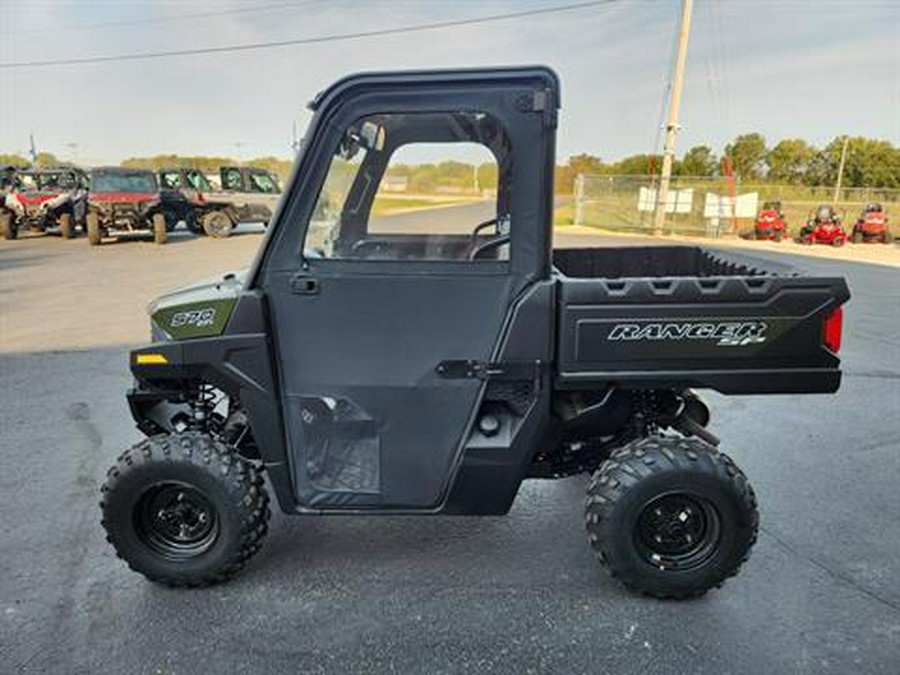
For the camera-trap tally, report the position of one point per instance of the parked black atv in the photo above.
(124, 202)
(406, 367)
(185, 196)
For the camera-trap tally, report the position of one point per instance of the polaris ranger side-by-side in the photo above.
(374, 370)
(247, 195)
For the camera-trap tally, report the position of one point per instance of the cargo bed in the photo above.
(681, 316)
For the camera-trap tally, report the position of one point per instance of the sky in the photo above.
(813, 69)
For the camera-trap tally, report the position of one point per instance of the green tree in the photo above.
(869, 163)
(636, 165)
(790, 160)
(46, 159)
(13, 160)
(698, 161)
(564, 179)
(748, 155)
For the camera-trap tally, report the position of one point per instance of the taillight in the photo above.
(831, 331)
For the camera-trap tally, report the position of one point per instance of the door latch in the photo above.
(485, 370)
(302, 284)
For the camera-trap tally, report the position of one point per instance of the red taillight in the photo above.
(831, 331)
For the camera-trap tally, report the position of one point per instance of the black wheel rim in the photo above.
(176, 520)
(678, 531)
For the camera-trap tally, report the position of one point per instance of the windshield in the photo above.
(138, 182)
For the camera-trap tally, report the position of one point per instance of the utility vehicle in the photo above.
(872, 226)
(770, 223)
(247, 195)
(823, 226)
(401, 366)
(44, 199)
(183, 192)
(124, 202)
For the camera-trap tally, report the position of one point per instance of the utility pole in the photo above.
(295, 143)
(840, 176)
(665, 176)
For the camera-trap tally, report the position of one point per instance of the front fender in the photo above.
(240, 365)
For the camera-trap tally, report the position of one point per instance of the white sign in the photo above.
(725, 206)
(677, 201)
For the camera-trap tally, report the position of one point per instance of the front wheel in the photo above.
(92, 223)
(66, 227)
(8, 225)
(160, 232)
(671, 517)
(184, 509)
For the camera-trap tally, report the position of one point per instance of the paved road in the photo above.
(421, 595)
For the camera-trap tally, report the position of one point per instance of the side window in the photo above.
(231, 179)
(171, 180)
(261, 182)
(198, 181)
(417, 186)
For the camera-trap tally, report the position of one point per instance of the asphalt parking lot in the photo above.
(517, 594)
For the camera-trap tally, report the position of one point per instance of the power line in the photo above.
(312, 40)
(163, 19)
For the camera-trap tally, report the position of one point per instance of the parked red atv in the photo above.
(872, 226)
(125, 202)
(43, 199)
(823, 226)
(770, 223)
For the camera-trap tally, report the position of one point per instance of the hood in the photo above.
(199, 310)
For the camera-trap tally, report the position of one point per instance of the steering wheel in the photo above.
(496, 242)
(482, 226)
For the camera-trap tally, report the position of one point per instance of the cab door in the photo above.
(372, 303)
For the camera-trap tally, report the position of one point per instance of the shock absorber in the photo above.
(201, 402)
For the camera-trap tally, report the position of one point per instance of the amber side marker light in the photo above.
(160, 359)
(831, 330)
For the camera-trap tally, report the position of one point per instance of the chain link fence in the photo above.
(628, 203)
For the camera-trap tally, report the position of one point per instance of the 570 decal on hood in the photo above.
(726, 333)
(194, 317)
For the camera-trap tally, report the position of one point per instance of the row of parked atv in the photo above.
(113, 201)
(825, 226)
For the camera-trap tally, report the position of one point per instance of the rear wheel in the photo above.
(66, 227)
(217, 224)
(160, 232)
(92, 222)
(8, 225)
(184, 509)
(671, 517)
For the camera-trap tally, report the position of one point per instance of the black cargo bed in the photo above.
(671, 316)
(660, 261)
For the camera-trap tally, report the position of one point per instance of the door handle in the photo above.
(302, 284)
